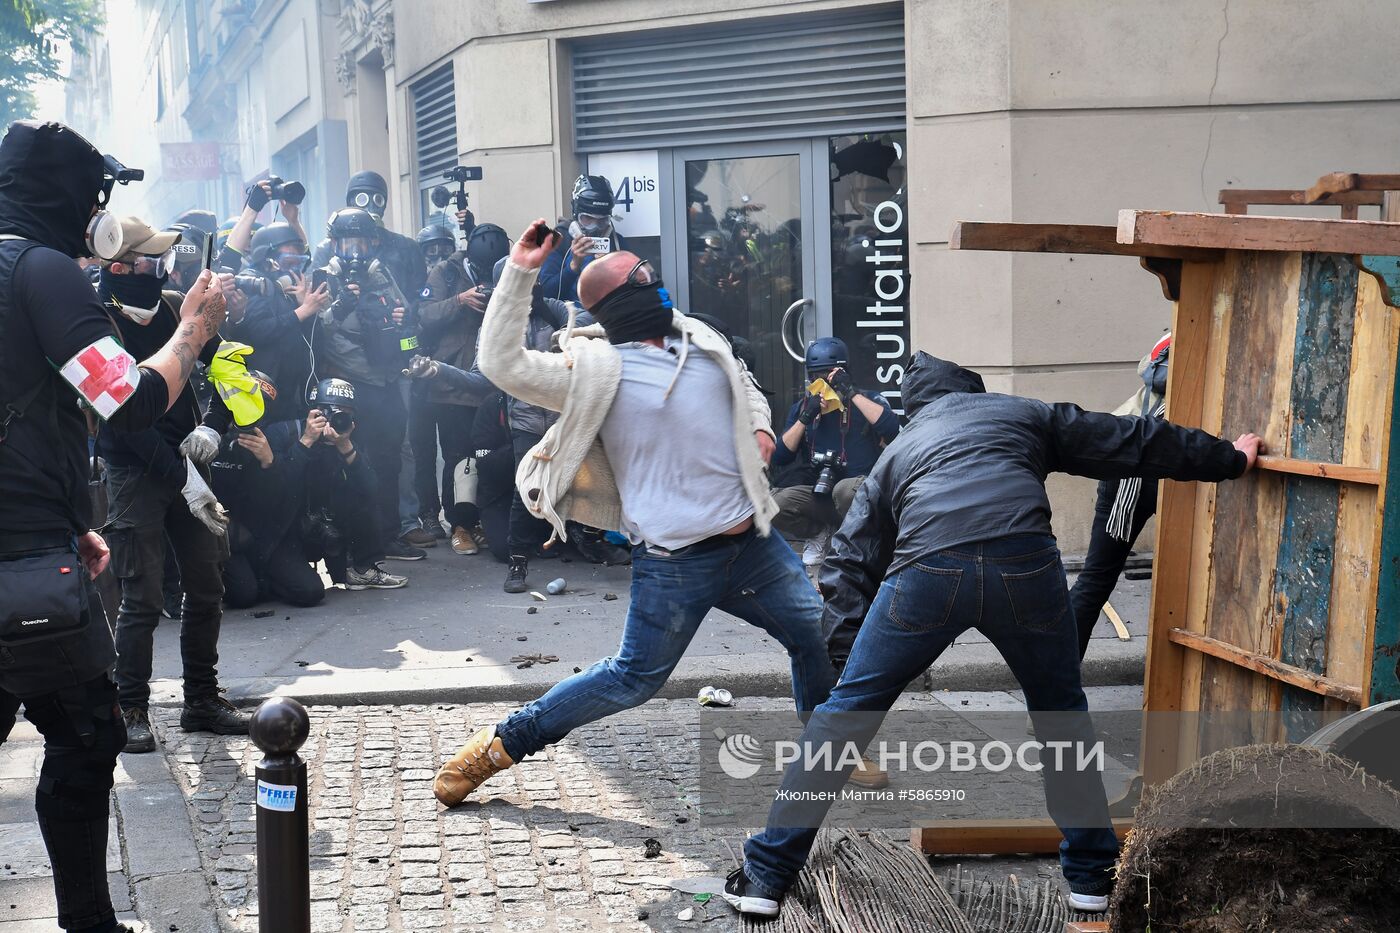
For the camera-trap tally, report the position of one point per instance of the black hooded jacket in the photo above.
(49, 182)
(970, 466)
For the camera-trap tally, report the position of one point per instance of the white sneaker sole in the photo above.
(1087, 903)
(754, 906)
(376, 586)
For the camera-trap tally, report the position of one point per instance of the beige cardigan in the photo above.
(567, 475)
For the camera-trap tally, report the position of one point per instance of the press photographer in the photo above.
(279, 318)
(368, 192)
(234, 246)
(367, 337)
(832, 437)
(450, 314)
(590, 235)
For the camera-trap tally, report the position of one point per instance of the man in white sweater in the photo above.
(663, 435)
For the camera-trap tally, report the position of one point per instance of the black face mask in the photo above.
(137, 291)
(634, 312)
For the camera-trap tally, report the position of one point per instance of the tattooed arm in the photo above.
(201, 316)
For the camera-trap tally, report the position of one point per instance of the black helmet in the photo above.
(190, 247)
(270, 239)
(200, 220)
(593, 194)
(487, 245)
(367, 191)
(434, 233)
(827, 353)
(333, 392)
(351, 221)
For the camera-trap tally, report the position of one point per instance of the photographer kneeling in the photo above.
(300, 493)
(834, 434)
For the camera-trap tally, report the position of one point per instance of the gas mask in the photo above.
(594, 225)
(103, 238)
(369, 200)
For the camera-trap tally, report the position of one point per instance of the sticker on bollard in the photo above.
(280, 797)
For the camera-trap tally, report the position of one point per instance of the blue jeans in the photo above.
(1013, 591)
(758, 579)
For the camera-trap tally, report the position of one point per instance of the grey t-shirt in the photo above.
(673, 457)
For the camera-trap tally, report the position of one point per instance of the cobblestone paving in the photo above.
(557, 844)
(554, 843)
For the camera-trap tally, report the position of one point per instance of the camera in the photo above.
(293, 192)
(320, 537)
(461, 174)
(340, 419)
(827, 477)
(252, 284)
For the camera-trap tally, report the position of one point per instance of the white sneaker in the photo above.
(747, 898)
(814, 552)
(374, 578)
(1088, 903)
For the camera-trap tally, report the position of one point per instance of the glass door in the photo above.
(745, 253)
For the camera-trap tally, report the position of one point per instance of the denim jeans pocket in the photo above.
(1038, 597)
(924, 596)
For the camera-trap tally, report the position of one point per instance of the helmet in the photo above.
(268, 240)
(487, 245)
(351, 221)
(200, 220)
(333, 392)
(190, 247)
(593, 194)
(225, 228)
(827, 353)
(369, 192)
(434, 233)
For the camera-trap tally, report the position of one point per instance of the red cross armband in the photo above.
(104, 374)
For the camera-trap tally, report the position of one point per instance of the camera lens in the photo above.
(340, 420)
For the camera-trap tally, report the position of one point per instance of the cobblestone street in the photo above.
(555, 843)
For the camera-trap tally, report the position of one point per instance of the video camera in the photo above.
(441, 197)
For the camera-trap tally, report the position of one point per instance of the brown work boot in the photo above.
(482, 757)
(869, 775)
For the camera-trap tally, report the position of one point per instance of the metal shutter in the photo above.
(798, 76)
(435, 124)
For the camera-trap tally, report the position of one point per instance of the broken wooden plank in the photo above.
(1145, 229)
(1086, 926)
(1117, 620)
(1366, 476)
(1269, 667)
(996, 837)
(1239, 200)
(1334, 183)
(1093, 239)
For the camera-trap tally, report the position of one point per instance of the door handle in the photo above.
(795, 311)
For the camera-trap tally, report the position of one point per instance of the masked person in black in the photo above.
(157, 492)
(397, 253)
(367, 337)
(590, 235)
(450, 313)
(58, 347)
(280, 318)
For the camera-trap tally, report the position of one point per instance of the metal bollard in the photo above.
(279, 728)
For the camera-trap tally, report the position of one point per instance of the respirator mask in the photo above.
(103, 237)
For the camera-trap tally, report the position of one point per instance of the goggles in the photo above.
(370, 201)
(158, 266)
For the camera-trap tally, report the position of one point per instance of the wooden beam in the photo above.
(1337, 182)
(1086, 926)
(1251, 232)
(1342, 474)
(1117, 620)
(1093, 239)
(1244, 197)
(996, 837)
(1269, 667)
(1168, 272)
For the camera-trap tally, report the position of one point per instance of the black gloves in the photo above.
(257, 197)
(809, 408)
(840, 382)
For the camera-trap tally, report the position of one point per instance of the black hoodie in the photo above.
(50, 178)
(49, 181)
(970, 466)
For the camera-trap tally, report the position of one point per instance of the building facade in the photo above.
(795, 166)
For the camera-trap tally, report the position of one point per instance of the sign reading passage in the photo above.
(280, 797)
(189, 161)
(635, 181)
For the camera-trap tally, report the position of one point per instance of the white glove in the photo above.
(200, 498)
(201, 445)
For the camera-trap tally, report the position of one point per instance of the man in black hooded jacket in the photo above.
(950, 531)
(57, 349)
